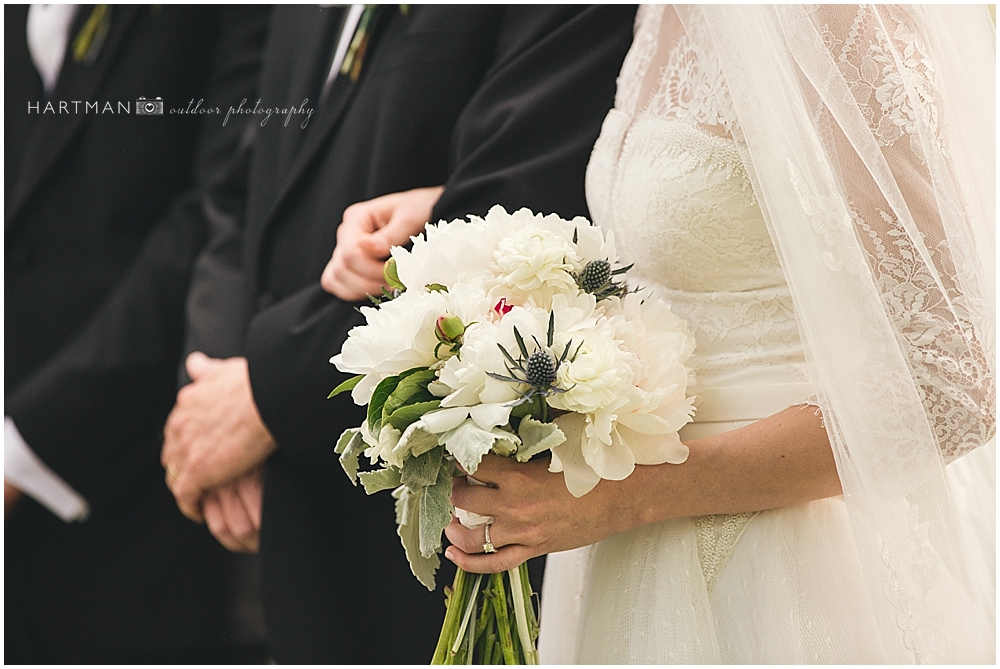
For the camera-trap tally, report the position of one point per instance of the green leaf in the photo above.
(379, 397)
(345, 386)
(422, 471)
(406, 391)
(380, 479)
(408, 529)
(537, 437)
(350, 447)
(411, 413)
(532, 407)
(435, 513)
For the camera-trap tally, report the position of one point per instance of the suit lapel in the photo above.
(316, 35)
(327, 115)
(53, 132)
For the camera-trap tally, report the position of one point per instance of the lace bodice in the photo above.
(665, 175)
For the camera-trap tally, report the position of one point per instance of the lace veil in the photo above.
(869, 136)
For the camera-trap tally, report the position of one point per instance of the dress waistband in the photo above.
(748, 403)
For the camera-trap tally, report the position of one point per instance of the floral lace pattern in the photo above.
(896, 97)
(952, 374)
(692, 87)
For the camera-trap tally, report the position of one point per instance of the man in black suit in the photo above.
(102, 222)
(499, 104)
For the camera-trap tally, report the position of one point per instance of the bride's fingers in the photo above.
(472, 539)
(490, 563)
(475, 498)
(492, 469)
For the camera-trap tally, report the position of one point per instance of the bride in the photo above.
(813, 189)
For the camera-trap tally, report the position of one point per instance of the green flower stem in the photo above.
(468, 614)
(521, 614)
(472, 632)
(503, 620)
(455, 606)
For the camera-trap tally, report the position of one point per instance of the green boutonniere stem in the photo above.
(91, 37)
(359, 45)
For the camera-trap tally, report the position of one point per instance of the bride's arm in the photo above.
(779, 461)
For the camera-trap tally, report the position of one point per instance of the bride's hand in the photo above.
(779, 461)
(364, 238)
(534, 513)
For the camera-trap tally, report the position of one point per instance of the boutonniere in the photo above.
(91, 37)
(359, 43)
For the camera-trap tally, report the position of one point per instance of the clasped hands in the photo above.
(215, 445)
(215, 442)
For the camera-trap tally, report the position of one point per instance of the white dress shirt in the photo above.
(48, 35)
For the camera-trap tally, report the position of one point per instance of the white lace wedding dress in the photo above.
(778, 586)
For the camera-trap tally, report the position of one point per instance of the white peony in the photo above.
(608, 436)
(596, 373)
(398, 335)
(446, 254)
(536, 261)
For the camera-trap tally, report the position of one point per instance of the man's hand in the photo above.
(215, 434)
(233, 513)
(365, 236)
(11, 496)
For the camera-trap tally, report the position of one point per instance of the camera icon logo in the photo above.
(147, 107)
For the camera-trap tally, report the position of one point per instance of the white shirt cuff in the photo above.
(26, 472)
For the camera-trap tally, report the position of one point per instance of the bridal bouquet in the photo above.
(517, 335)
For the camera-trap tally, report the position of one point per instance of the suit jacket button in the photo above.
(264, 301)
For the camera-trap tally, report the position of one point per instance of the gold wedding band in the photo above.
(488, 546)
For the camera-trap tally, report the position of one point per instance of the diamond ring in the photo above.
(488, 546)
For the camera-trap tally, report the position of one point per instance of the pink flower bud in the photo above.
(449, 329)
(502, 308)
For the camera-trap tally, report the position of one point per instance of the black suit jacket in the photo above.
(103, 221)
(500, 104)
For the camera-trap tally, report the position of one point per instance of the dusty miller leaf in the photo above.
(435, 513)
(380, 479)
(408, 529)
(422, 441)
(537, 437)
(469, 443)
(350, 446)
(422, 471)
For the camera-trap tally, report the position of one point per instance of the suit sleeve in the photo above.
(120, 369)
(523, 140)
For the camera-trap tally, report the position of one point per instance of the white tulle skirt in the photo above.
(778, 587)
